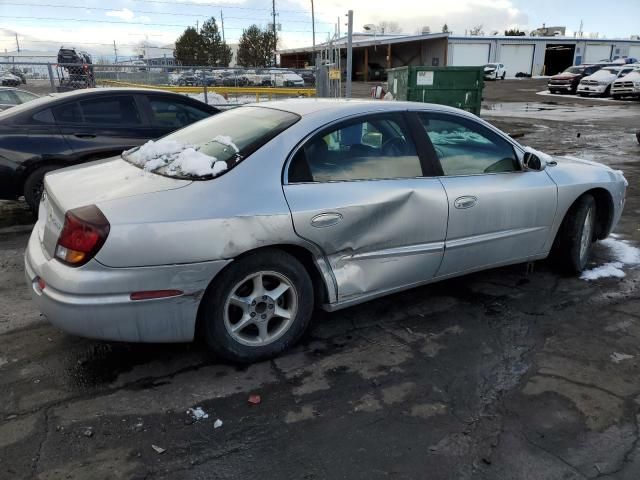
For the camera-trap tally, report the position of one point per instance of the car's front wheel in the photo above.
(258, 307)
(576, 235)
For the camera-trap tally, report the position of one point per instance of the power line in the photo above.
(146, 12)
(165, 2)
(13, 17)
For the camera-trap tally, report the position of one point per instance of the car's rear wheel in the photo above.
(34, 186)
(258, 307)
(504, 74)
(576, 235)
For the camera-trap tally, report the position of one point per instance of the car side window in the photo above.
(43, 116)
(110, 111)
(175, 114)
(67, 113)
(372, 149)
(465, 147)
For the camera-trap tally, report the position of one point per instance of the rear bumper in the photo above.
(93, 300)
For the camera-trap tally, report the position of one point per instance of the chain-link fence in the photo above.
(217, 86)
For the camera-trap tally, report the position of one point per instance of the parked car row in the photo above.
(10, 97)
(245, 78)
(602, 79)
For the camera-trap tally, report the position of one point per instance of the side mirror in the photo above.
(532, 162)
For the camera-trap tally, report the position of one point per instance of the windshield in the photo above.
(574, 70)
(210, 147)
(606, 71)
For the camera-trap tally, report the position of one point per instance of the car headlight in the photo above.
(636, 84)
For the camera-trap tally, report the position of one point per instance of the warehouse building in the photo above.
(529, 55)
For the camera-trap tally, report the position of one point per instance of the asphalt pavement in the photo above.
(513, 373)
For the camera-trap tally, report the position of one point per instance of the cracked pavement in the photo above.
(504, 374)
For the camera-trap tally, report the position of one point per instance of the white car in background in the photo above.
(600, 82)
(494, 71)
(629, 86)
(286, 78)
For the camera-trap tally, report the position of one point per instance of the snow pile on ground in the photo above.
(619, 357)
(624, 254)
(175, 159)
(197, 413)
(213, 98)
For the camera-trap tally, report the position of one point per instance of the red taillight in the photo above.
(83, 234)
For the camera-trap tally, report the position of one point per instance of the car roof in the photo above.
(345, 107)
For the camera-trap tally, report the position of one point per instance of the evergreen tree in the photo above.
(256, 47)
(445, 28)
(189, 48)
(218, 53)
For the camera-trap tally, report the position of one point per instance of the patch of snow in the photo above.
(217, 423)
(619, 357)
(197, 413)
(227, 141)
(622, 251)
(175, 158)
(213, 98)
(611, 269)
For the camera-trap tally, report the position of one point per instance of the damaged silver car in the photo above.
(235, 228)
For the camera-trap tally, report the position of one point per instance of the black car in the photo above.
(308, 76)
(18, 73)
(65, 129)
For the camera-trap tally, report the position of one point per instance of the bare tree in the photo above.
(476, 30)
(387, 26)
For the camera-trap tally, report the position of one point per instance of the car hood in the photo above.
(103, 181)
(602, 77)
(569, 160)
(565, 76)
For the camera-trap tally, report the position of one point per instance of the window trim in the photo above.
(351, 119)
(517, 149)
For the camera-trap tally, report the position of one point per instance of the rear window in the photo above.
(212, 146)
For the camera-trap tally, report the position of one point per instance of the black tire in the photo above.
(617, 97)
(212, 321)
(607, 92)
(34, 184)
(504, 74)
(567, 247)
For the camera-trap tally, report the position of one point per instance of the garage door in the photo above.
(472, 54)
(634, 52)
(595, 53)
(516, 58)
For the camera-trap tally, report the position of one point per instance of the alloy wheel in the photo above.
(261, 308)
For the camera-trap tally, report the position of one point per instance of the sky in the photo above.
(93, 25)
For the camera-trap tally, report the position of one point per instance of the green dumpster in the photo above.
(459, 87)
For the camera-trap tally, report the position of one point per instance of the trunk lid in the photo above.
(92, 183)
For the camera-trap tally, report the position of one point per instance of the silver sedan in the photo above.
(235, 228)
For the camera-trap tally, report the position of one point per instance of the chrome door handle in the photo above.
(326, 219)
(467, 201)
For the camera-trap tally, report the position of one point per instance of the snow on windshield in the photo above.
(174, 158)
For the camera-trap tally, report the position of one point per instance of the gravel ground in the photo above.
(514, 373)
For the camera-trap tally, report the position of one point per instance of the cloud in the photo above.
(124, 14)
(411, 15)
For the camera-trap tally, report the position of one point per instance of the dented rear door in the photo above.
(378, 234)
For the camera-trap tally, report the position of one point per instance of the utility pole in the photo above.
(313, 30)
(115, 51)
(222, 23)
(17, 42)
(349, 52)
(275, 38)
(197, 25)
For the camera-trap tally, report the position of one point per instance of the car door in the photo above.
(102, 126)
(498, 212)
(360, 192)
(168, 113)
